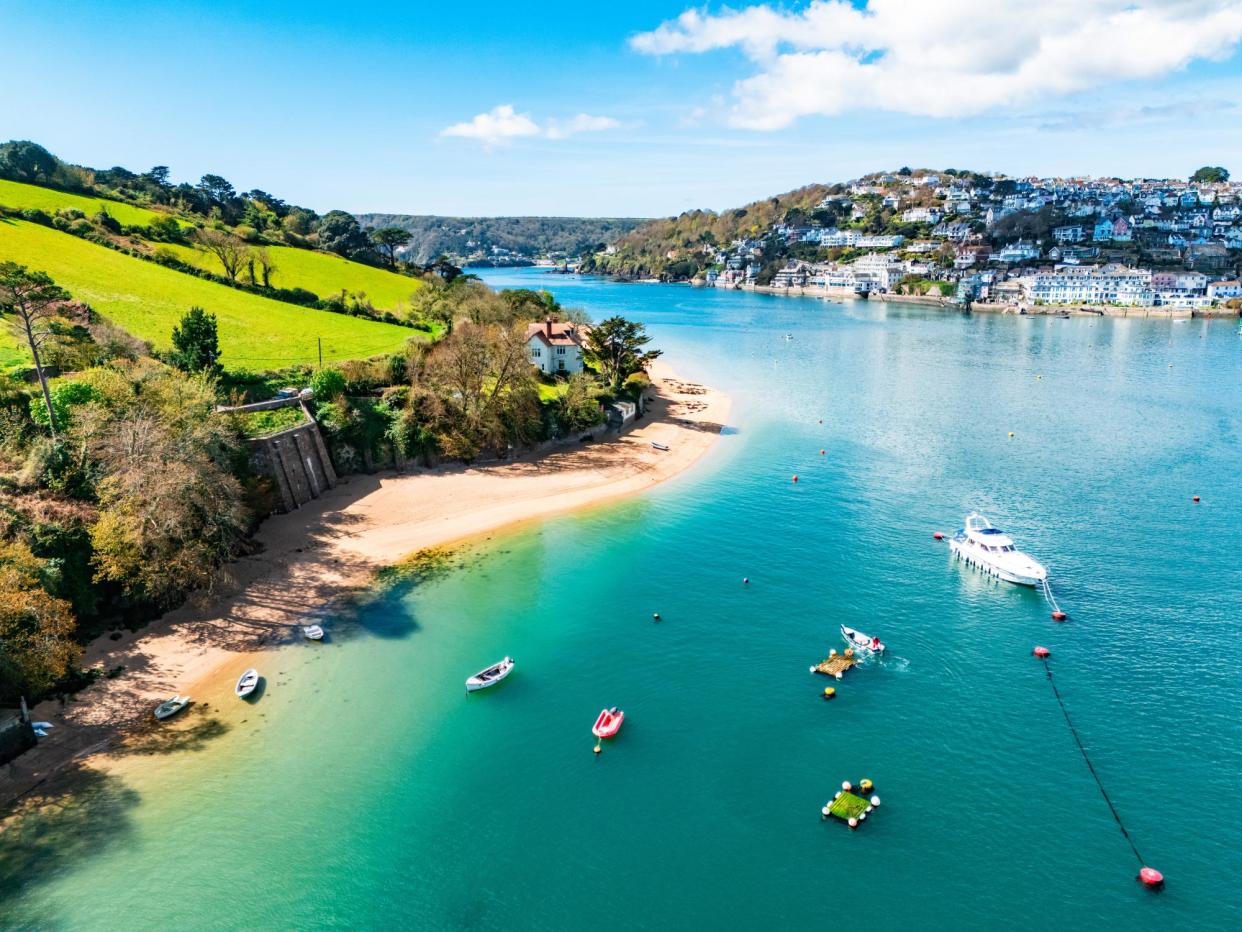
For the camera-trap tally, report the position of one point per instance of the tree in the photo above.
(23, 160)
(267, 264)
(388, 240)
(615, 347)
(197, 348)
(578, 408)
(1210, 174)
(32, 298)
(217, 190)
(36, 629)
(170, 513)
(231, 251)
(340, 233)
(158, 176)
(483, 391)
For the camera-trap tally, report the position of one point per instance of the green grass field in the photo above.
(24, 196)
(320, 272)
(148, 300)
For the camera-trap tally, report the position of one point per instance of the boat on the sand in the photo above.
(491, 676)
(862, 641)
(246, 683)
(660, 446)
(170, 707)
(312, 632)
(608, 723)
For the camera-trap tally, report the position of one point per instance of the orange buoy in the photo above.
(1059, 615)
(1194, 498)
(1151, 877)
(937, 536)
(1041, 652)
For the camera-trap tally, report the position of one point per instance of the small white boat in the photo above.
(491, 676)
(170, 707)
(660, 446)
(246, 683)
(985, 547)
(860, 641)
(312, 632)
(43, 725)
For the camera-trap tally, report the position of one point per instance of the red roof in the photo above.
(556, 333)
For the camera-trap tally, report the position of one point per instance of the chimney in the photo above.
(548, 327)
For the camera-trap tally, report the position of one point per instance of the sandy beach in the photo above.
(331, 549)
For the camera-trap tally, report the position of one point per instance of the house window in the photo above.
(560, 351)
(535, 352)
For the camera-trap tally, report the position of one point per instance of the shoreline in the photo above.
(330, 550)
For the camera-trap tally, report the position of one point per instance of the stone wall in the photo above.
(297, 461)
(16, 735)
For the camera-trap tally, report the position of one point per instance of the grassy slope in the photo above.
(148, 300)
(320, 272)
(22, 196)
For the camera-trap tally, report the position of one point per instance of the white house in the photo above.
(1021, 251)
(1223, 291)
(555, 346)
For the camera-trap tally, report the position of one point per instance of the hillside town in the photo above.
(1020, 243)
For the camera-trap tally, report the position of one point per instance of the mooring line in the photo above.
(1090, 766)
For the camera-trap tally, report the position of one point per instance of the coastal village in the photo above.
(1007, 243)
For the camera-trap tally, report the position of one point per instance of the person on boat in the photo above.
(875, 643)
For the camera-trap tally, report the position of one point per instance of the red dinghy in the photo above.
(608, 723)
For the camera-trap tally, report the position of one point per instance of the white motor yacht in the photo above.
(989, 549)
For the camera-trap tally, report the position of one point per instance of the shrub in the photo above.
(328, 385)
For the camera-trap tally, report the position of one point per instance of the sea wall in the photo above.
(297, 461)
(1105, 310)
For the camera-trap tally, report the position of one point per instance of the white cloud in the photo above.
(503, 124)
(944, 58)
(498, 125)
(582, 123)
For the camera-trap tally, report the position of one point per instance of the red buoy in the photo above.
(1041, 652)
(821, 452)
(1151, 877)
(938, 536)
(1059, 615)
(1195, 498)
(795, 478)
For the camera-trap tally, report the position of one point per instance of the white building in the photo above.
(1021, 251)
(1089, 284)
(920, 215)
(555, 346)
(1223, 291)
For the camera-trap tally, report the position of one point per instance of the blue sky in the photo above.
(626, 109)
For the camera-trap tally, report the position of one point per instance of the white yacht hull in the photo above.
(980, 562)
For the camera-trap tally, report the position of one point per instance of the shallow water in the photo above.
(365, 789)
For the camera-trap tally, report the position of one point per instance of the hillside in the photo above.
(475, 240)
(679, 247)
(319, 272)
(33, 197)
(148, 300)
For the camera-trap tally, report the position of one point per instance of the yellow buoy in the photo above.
(829, 692)
(866, 785)
(1011, 433)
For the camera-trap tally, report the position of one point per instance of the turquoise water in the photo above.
(366, 790)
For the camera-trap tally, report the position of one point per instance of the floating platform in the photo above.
(836, 664)
(851, 805)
